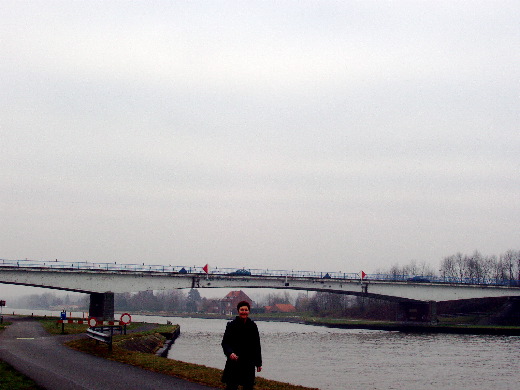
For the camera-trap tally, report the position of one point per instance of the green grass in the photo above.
(192, 372)
(10, 379)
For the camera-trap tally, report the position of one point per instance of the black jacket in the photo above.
(242, 339)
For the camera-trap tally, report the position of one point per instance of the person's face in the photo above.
(243, 312)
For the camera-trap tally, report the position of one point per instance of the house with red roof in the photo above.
(228, 304)
(280, 308)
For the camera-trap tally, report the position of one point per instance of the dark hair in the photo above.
(243, 303)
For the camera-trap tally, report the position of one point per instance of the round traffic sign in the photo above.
(92, 322)
(125, 318)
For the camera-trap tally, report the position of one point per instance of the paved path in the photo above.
(27, 347)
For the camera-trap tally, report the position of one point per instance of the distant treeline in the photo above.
(50, 301)
(476, 267)
(505, 267)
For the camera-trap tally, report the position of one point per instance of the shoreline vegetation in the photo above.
(453, 324)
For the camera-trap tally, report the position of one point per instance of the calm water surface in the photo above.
(334, 359)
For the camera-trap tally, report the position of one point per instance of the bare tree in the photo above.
(449, 268)
(511, 265)
(274, 298)
(482, 269)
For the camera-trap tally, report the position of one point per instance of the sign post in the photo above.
(125, 320)
(63, 317)
(2, 304)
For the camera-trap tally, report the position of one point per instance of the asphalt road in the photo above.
(27, 347)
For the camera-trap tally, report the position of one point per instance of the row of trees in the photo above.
(49, 301)
(171, 301)
(477, 268)
(178, 301)
(167, 301)
(504, 269)
(411, 269)
(181, 301)
(190, 301)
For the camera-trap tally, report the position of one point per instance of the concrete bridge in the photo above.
(102, 280)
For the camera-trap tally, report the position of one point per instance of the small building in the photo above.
(228, 304)
(280, 308)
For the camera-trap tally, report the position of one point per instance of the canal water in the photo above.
(336, 359)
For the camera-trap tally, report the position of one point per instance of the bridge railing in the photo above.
(85, 265)
(122, 267)
(443, 279)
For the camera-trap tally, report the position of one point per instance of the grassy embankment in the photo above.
(454, 325)
(10, 379)
(149, 361)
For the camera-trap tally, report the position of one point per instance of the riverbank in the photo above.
(152, 361)
(420, 328)
(342, 323)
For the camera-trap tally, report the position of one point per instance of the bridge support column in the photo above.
(102, 306)
(417, 312)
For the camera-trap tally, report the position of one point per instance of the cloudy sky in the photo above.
(311, 135)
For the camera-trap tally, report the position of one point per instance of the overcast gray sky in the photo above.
(311, 135)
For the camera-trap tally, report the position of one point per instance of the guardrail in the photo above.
(100, 334)
(121, 267)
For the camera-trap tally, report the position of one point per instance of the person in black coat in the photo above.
(241, 345)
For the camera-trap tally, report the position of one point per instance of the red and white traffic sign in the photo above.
(125, 319)
(92, 322)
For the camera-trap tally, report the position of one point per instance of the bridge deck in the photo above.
(117, 278)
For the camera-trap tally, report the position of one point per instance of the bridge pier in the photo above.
(410, 311)
(102, 306)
